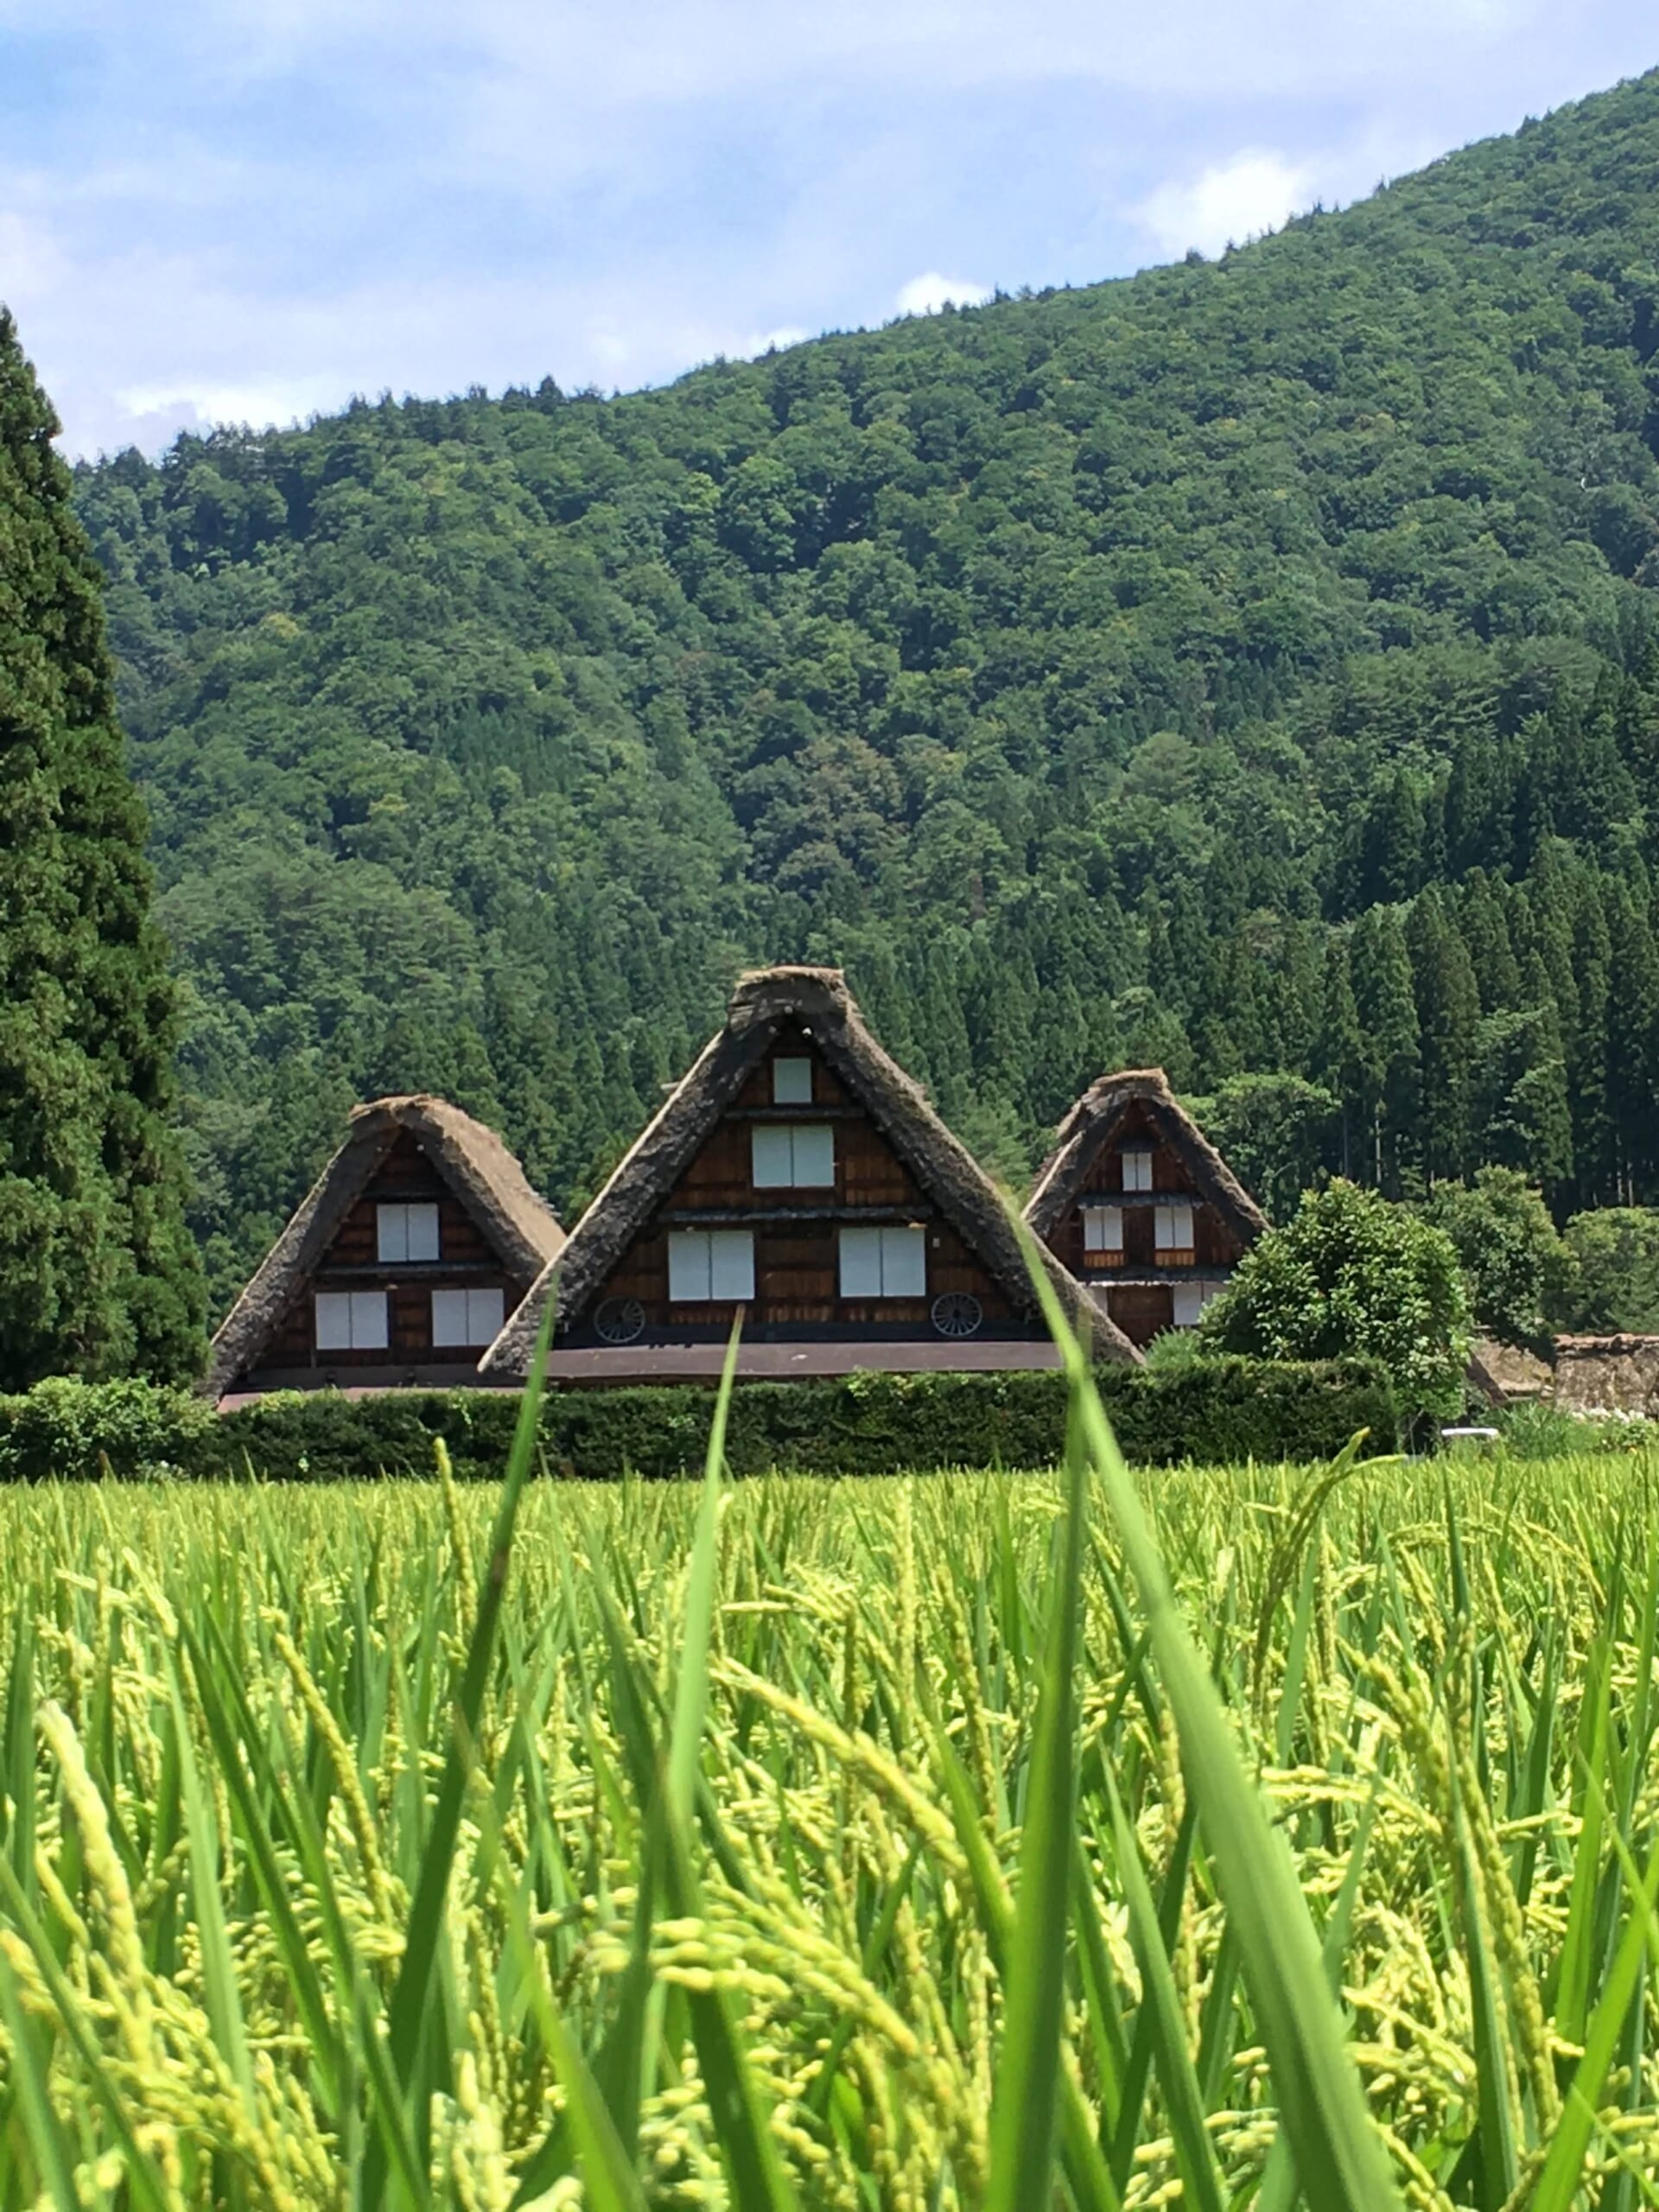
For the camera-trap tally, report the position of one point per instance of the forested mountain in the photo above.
(1249, 666)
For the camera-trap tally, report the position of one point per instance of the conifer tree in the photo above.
(99, 1276)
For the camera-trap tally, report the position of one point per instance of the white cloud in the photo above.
(1227, 203)
(928, 293)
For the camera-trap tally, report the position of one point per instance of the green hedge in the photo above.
(1208, 1411)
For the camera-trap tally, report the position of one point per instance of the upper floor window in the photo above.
(1173, 1230)
(407, 1233)
(791, 1156)
(1103, 1229)
(1137, 1169)
(468, 1317)
(351, 1320)
(710, 1266)
(792, 1083)
(883, 1262)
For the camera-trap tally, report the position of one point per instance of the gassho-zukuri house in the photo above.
(406, 1259)
(1135, 1201)
(796, 1172)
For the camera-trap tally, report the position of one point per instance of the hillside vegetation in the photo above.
(1249, 666)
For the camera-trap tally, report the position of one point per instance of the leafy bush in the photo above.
(1209, 1411)
(1353, 1276)
(1514, 1262)
(1611, 1279)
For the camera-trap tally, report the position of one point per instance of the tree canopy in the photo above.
(1249, 667)
(99, 1276)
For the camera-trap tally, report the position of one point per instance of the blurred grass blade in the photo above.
(1201, 2184)
(1340, 2160)
(28, 2080)
(1024, 2101)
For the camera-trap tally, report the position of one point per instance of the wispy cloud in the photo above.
(264, 206)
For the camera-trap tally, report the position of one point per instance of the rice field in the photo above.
(891, 1845)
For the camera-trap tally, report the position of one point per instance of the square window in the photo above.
(773, 1156)
(406, 1232)
(1172, 1231)
(861, 1262)
(710, 1265)
(904, 1264)
(468, 1317)
(790, 1156)
(351, 1320)
(883, 1263)
(814, 1150)
(792, 1083)
(1137, 1170)
(1189, 1303)
(1103, 1229)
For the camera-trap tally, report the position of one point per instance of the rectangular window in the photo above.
(1137, 1170)
(468, 1317)
(1188, 1303)
(793, 1156)
(1103, 1229)
(710, 1266)
(883, 1263)
(407, 1233)
(351, 1320)
(1173, 1229)
(792, 1083)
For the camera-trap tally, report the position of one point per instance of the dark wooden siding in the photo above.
(1216, 1247)
(797, 1272)
(351, 1262)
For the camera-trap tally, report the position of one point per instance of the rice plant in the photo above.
(965, 1840)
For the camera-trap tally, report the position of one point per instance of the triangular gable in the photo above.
(1095, 1123)
(520, 1227)
(764, 1005)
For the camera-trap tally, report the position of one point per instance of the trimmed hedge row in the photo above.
(1208, 1411)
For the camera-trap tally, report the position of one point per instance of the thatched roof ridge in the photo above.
(521, 1227)
(764, 1000)
(1090, 1127)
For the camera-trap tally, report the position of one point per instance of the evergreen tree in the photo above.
(99, 1274)
(1448, 1013)
(1391, 1046)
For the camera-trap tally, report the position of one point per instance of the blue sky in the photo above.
(249, 210)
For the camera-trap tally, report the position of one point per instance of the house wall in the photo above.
(466, 1260)
(797, 1272)
(1144, 1306)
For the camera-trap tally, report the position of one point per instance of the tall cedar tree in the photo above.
(99, 1276)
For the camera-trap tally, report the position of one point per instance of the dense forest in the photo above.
(1251, 666)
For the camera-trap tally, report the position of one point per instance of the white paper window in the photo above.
(1173, 1230)
(793, 1155)
(1189, 1304)
(792, 1083)
(1103, 1229)
(883, 1263)
(710, 1266)
(407, 1233)
(1137, 1171)
(468, 1317)
(351, 1320)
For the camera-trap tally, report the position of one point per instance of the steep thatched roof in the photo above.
(818, 1000)
(1095, 1122)
(522, 1229)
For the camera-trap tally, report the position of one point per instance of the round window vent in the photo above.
(620, 1320)
(957, 1313)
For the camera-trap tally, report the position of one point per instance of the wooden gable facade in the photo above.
(403, 1263)
(1135, 1200)
(797, 1174)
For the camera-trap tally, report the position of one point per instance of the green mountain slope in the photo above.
(1248, 666)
